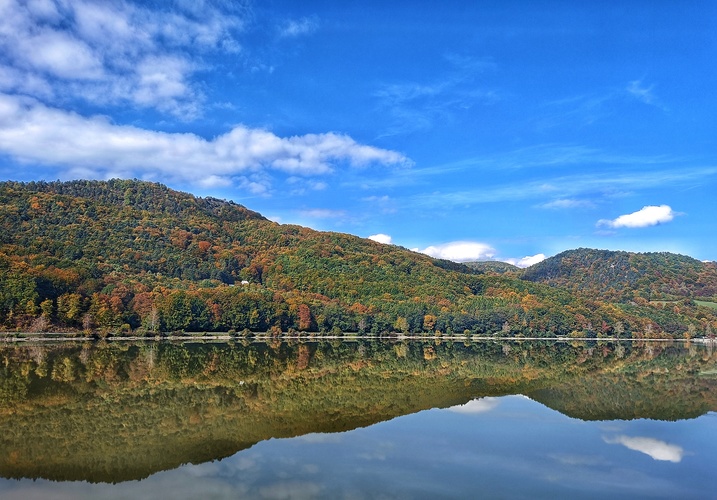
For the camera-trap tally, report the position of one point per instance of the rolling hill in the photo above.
(494, 266)
(626, 275)
(130, 256)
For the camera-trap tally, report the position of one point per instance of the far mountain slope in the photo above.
(492, 266)
(614, 275)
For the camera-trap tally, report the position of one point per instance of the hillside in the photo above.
(119, 256)
(626, 275)
(493, 266)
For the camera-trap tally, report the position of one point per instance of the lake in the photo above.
(362, 419)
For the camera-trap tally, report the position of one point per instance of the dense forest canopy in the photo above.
(130, 256)
(493, 266)
(624, 275)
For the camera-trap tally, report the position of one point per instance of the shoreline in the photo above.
(262, 337)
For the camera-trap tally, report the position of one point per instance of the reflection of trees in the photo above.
(110, 412)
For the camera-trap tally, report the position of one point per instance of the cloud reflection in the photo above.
(293, 490)
(578, 460)
(319, 437)
(480, 405)
(656, 449)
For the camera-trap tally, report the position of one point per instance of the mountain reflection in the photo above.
(107, 412)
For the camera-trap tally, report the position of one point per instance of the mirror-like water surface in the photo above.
(358, 420)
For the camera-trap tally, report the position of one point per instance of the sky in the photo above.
(507, 130)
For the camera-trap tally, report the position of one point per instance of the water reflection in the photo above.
(654, 448)
(479, 405)
(113, 413)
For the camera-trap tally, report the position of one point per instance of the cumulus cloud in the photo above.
(460, 251)
(480, 405)
(381, 238)
(114, 52)
(257, 184)
(650, 215)
(96, 148)
(658, 450)
(526, 261)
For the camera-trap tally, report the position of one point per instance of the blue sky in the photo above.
(467, 130)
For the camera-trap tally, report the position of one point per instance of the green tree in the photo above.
(69, 308)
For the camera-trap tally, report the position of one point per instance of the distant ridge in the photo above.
(624, 275)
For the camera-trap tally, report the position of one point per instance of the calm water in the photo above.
(359, 420)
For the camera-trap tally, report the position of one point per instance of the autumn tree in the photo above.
(304, 314)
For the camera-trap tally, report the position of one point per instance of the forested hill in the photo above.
(130, 256)
(611, 275)
(493, 266)
(145, 196)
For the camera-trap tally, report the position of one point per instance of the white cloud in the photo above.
(376, 199)
(381, 238)
(460, 251)
(298, 27)
(61, 55)
(13, 79)
(302, 185)
(214, 181)
(290, 490)
(43, 9)
(480, 405)
(650, 215)
(658, 450)
(641, 92)
(567, 203)
(161, 83)
(320, 438)
(114, 53)
(96, 148)
(526, 261)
